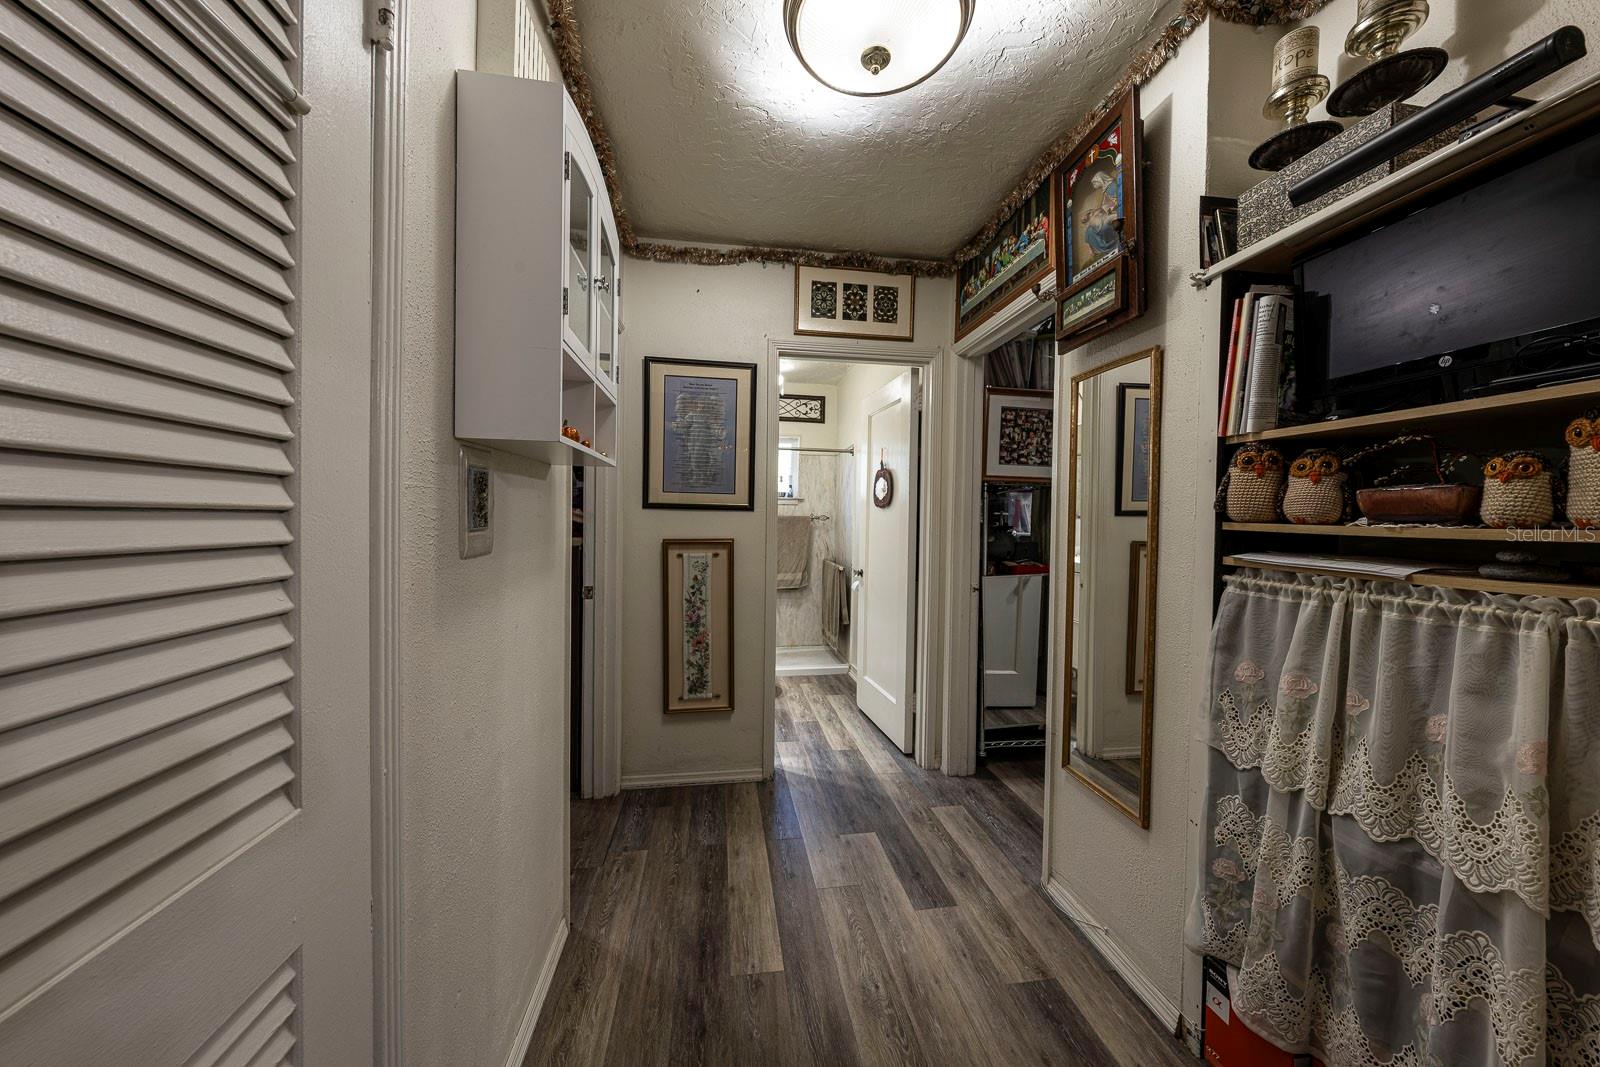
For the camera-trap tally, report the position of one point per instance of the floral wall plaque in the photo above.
(697, 625)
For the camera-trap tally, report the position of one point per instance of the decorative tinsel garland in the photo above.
(569, 56)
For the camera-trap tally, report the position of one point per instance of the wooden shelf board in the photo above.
(1417, 533)
(1435, 415)
(1429, 174)
(1465, 582)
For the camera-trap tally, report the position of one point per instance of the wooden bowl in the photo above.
(1436, 504)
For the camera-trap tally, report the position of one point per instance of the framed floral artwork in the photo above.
(1019, 255)
(697, 625)
(1018, 435)
(843, 302)
(1100, 247)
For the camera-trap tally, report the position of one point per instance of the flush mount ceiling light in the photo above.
(875, 47)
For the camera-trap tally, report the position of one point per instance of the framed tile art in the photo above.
(841, 302)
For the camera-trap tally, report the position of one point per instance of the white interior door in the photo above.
(184, 632)
(889, 560)
(1011, 639)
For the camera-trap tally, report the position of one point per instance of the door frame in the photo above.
(1023, 312)
(929, 702)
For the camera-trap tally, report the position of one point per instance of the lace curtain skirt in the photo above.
(1403, 821)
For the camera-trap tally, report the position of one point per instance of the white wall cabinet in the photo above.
(538, 275)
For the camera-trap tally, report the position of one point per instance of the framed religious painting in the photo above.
(1099, 244)
(1018, 435)
(1019, 256)
(699, 434)
(844, 302)
(697, 625)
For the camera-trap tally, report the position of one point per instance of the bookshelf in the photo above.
(1482, 424)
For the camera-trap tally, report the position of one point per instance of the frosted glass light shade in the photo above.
(831, 37)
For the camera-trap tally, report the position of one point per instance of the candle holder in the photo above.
(1296, 89)
(1382, 26)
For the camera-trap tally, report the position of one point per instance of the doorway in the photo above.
(1014, 600)
(848, 543)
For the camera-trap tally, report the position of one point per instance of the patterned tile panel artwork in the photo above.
(825, 300)
(855, 302)
(885, 303)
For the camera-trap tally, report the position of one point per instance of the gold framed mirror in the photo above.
(1113, 499)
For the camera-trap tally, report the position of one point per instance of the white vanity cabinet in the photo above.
(538, 275)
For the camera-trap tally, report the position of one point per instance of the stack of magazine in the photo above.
(1259, 377)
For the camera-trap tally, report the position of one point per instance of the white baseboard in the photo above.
(666, 781)
(1119, 752)
(811, 672)
(1157, 1001)
(530, 1017)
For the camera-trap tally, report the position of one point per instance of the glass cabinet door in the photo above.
(580, 265)
(605, 325)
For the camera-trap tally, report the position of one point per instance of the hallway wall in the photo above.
(1201, 117)
(484, 725)
(709, 313)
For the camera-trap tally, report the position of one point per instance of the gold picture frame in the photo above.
(697, 654)
(1131, 798)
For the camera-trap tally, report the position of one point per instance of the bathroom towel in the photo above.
(794, 550)
(835, 603)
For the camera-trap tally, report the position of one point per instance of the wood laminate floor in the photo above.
(854, 910)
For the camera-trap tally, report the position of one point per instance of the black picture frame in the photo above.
(744, 497)
(1128, 395)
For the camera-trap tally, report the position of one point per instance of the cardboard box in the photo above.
(1227, 1041)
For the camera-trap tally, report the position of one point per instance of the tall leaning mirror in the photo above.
(1113, 491)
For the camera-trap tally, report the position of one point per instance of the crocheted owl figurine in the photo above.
(1583, 470)
(1517, 491)
(1318, 493)
(1254, 484)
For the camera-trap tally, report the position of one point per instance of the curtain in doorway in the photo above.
(1402, 823)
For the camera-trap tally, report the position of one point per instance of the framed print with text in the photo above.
(699, 434)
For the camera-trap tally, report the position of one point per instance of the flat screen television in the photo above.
(1516, 257)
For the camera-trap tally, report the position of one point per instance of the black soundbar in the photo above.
(1495, 86)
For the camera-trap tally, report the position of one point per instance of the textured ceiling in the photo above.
(722, 137)
(814, 371)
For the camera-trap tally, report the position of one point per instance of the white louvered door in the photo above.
(184, 625)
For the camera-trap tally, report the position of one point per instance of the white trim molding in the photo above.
(541, 989)
(1100, 937)
(934, 363)
(677, 778)
(388, 316)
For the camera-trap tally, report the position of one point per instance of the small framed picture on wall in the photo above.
(697, 625)
(1133, 449)
(842, 302)
(1018, 435)
(699, 434)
